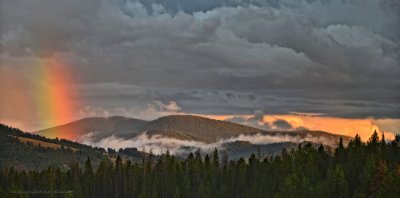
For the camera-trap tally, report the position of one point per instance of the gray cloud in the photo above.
(339, 58)
(159, 144)
(282, 124)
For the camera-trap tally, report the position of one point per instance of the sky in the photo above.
(330, 65)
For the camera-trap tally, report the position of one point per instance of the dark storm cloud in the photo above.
(282, 124)
(339, 58)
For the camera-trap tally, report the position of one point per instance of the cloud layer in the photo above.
(159, 144)
(337, 58)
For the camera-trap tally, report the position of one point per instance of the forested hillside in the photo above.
(26, 151)
(198, 128)
(369, 169)
(183, 127)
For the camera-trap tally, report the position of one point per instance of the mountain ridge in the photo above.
(187, 127)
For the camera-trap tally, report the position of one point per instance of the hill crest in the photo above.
(186, 127)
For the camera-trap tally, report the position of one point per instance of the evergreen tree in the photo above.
(358, 170)
(89, 179)
(374, 139)
(216, 158)
(336, 183)
(177, 193)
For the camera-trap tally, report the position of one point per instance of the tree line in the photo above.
(370, 169)
(27, 156)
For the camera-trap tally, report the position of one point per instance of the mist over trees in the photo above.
(361, 169)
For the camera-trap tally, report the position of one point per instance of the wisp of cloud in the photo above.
(159, 144)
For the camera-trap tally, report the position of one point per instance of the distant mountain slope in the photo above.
(198, 128)
(178, 126)
(238, 149)
(103, 127)
(186, 127)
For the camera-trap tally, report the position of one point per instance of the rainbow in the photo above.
(53, 102)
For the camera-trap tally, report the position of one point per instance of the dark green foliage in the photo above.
(26, 156)
(358, 170)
